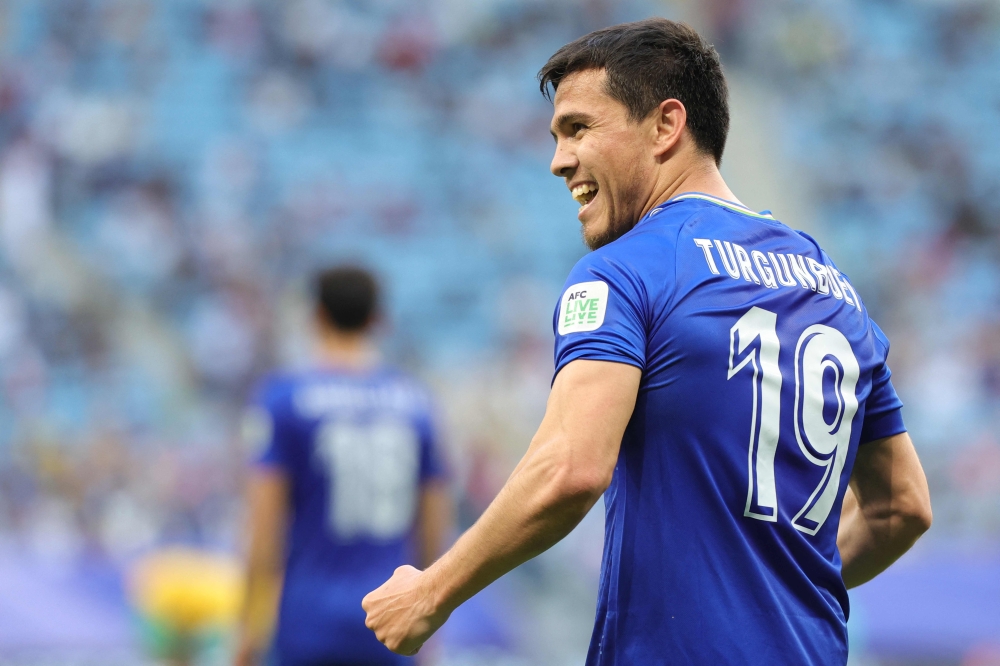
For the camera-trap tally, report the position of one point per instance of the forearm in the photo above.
(536, 508)
(265, 562)
(872, 538)
(435, 523)
(260, 606)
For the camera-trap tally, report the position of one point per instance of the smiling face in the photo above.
(608, 160)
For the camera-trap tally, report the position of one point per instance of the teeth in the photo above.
(581, 192)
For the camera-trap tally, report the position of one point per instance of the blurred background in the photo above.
(171, 173)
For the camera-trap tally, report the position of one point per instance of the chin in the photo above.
(594, 234)
(598, 235)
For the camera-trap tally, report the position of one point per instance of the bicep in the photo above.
(589, 407)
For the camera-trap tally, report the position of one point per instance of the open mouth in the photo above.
(584, 195)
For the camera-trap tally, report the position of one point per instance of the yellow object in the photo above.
(188, 590)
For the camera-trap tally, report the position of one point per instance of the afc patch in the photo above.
(582, 307)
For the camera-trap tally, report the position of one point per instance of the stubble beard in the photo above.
(620, 222)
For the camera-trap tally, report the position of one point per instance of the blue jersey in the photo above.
(356, 448)
(761, 375)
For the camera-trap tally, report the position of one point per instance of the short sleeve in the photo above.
(883, 408)
(600, 315)
(265, 427)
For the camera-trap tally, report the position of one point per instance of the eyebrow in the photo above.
(567, 118)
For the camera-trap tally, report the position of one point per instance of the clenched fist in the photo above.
(402, 612)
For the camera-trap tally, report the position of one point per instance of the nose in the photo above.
(564, 162)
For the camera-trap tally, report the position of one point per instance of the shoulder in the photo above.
(824, 256)
(815, 243)
(879, 335)
(268, 412)
(615, 268)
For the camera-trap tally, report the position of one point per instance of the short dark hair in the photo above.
(347, 296)
(648, 62)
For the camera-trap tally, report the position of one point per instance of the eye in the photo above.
(577, 128)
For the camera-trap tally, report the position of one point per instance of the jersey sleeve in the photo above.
(883, 408)
(601, 314)
(266, 428)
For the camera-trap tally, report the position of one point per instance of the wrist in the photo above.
(441, 588)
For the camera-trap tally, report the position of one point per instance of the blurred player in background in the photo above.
(715, 374)
(348, 487)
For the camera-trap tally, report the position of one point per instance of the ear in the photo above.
(669, 121)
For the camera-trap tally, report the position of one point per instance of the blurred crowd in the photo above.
(171, 174)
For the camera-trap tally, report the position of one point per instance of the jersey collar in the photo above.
(730, 205)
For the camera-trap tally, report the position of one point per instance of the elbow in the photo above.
(576, 485)
(569, 479)
(922, 517)
(592, 485)
(917, 515)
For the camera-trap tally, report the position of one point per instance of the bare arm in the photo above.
(268, 516)
(435, 518)
(567, 466)
(886, 509)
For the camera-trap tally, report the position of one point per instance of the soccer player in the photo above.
(717, 378)
(349, 478)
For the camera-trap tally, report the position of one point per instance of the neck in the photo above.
(700, 175)
(353, 351)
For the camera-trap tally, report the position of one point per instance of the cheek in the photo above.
(634, 154)
(622, 157)
(588, 153)
(632, 166)
(601, 154)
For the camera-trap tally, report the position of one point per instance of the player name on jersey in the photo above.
(777, 270)
(319, 398)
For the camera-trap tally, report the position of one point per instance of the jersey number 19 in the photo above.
(820, 349)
